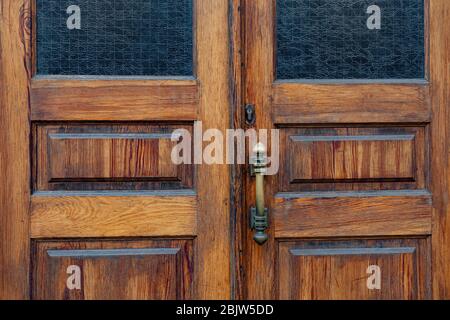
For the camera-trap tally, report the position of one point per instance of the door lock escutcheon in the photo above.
(259, 215)
(250, 115)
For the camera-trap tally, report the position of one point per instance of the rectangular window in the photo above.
(115, 37)
(350, 39)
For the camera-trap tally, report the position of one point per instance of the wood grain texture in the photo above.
(107, 215)
(350, 103)
(258, 39)
(339, 109)
(113, 100)
(111, 156)
(353, 158)
(238, 172)
(440, 79)
(350, 214)
(86, 102)
(324, 270)
(108, 156)
(114, 270)
(393, 156)
(213, 181)
(14, 156)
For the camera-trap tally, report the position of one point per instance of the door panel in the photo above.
(108, 157)
(108, 83)
(100, 214)
(84, 148)
(349, 102)
(352, 158)
(144, 269)
(119, 100)
(352, 214)
(340, 269)
(357, 110)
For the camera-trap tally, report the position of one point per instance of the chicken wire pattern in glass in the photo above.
(329, 39)
(117, 37)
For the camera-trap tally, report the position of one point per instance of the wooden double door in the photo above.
(93, 206)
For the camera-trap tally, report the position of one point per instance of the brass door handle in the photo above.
(259, 214)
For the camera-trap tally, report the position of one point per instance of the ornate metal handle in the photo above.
(259, 214)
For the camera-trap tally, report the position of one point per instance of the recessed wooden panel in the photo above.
(116, 270)
(341, 269)
(342, 157)
(326, 214)
(352, 158)
(110, 156)
(94, 157)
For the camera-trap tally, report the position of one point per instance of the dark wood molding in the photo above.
(238, 172)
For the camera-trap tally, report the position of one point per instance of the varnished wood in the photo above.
(349, 214)
(350, 103)
(328, 186)
(213, 71)
(113, 99)
(65, 215)
(112, 270)
(305, 107)
(238, 172)
(440, 95)
(14, 156)
(108, 156)
(85, 100)
(353, 158)
(144, 151)
(338, 269)
(394, 156)
(259, 265)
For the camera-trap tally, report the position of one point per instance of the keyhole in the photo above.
(250, 117)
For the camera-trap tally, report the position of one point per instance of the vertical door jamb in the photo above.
(439, 37)
(15, 70)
